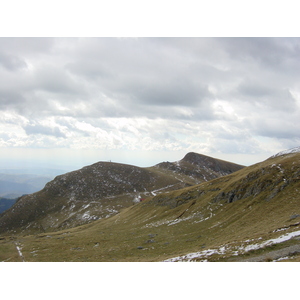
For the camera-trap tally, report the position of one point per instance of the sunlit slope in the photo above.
(220, 219)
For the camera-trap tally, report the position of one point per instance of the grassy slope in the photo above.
(249, 204)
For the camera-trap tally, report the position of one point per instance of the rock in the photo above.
(294, 217)
(76, 248)
(151, 236)
(150, 241)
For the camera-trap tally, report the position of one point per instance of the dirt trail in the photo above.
(275, 254)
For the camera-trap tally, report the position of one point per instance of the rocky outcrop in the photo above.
(267, 181)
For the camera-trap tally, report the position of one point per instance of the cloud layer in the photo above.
(209, 95)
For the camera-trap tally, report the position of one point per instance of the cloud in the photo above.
(202, 94)
(33, 129)
(11, 63)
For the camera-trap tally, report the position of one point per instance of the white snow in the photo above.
(282, 258)
(137, 199)
(236, 251)
(191, 256)
(280, 239)
(165, 187)
(289, 151)
(173, 222)
(87, 216)
(19, 251)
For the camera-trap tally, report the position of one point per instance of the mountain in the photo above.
(252, 214)
(195, 168)
(104, 189)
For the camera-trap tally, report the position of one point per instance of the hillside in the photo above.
(250, 215)
(102, 190)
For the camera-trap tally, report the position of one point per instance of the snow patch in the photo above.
(19, 252)
(176, 221)
(289, 151)
(280, 239)
(234, 251)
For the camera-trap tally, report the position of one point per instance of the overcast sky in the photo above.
(76, 101)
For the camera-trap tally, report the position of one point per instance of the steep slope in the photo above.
(94, 192)
(252, 214)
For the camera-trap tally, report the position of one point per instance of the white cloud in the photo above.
(226, 95)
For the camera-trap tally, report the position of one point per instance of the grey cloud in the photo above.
(33, 129)
(94, 69)
(251, 89)
(270, 52)
(56, 80)
(174, 79)
(280, 128)
(144, 75)
(28, 47)
(275, 97)
(177, 92)
(11, 99)
(11, 63)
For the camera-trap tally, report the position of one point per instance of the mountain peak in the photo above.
(193, 157)
(214, 164)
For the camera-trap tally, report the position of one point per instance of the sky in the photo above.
(75, 101)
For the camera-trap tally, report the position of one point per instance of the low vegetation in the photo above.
(251, 214)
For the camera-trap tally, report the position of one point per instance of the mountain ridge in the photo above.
(102, 190)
